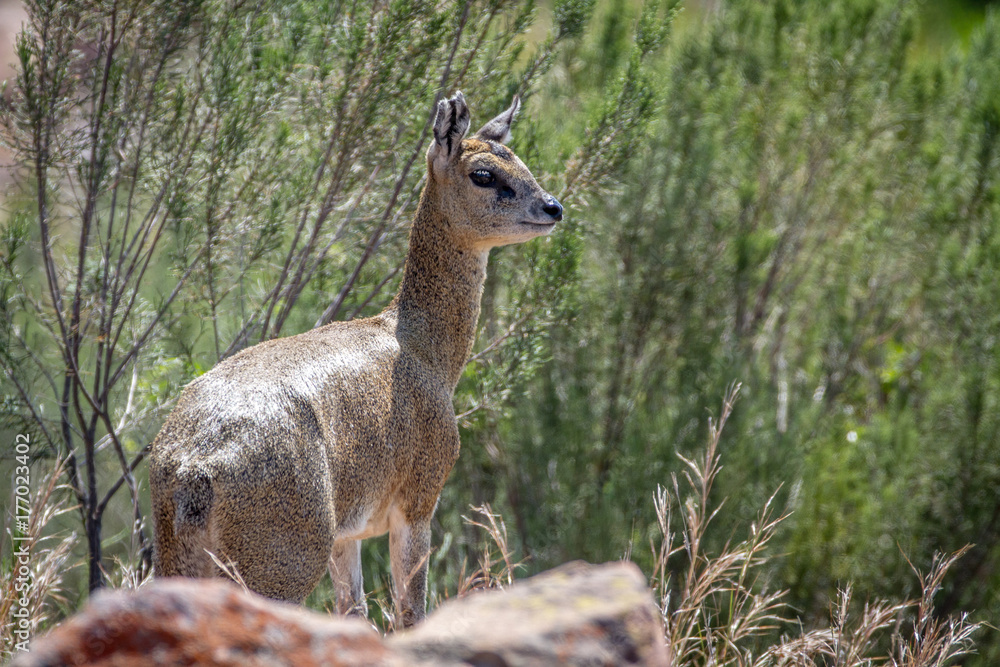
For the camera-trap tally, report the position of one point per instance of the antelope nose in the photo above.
(552, 208)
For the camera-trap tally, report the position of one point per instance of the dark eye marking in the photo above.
(483, 178)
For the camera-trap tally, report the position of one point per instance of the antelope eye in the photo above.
(482, 178)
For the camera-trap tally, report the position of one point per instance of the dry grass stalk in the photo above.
(229, 569)
(496, 567)
(714, 610)
(48, 564)
(135, 570)
(714, 616)
(934, 641)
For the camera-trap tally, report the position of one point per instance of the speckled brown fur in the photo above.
(284, 456)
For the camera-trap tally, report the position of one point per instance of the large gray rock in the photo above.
(577, 614)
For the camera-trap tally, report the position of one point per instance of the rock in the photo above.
(203, 622)
(577, 614)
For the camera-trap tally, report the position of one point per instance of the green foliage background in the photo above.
(801, 196)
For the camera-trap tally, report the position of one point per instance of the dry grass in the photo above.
(494, 570)
(716, 615)
(496, 565)
(134, 570)
(229, 570)
(50, 559)
(713, 611)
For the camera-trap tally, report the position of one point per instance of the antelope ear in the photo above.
(450, 125)
(498, 129)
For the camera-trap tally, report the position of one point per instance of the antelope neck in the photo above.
(437, 305)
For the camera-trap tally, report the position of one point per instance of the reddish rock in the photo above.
(577, 614)
(203, 622)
